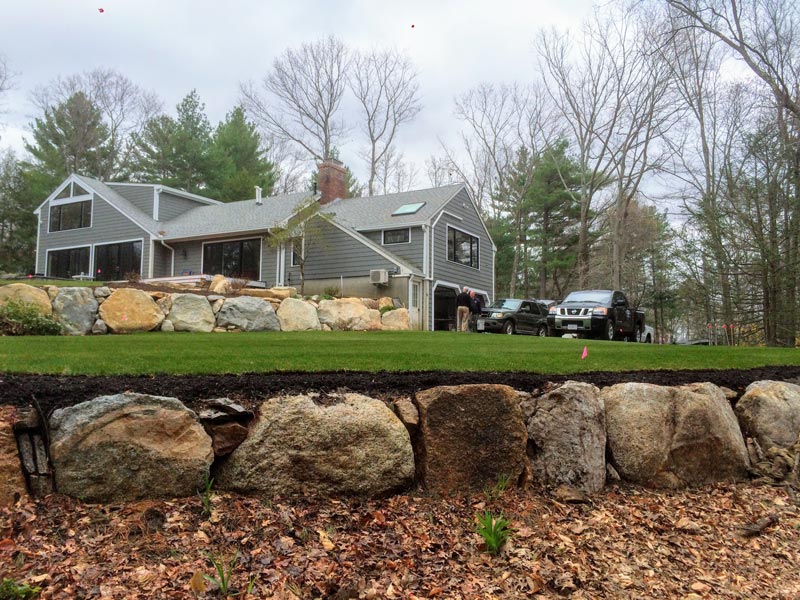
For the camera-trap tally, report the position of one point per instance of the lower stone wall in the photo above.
(446, 440)
(85, 311)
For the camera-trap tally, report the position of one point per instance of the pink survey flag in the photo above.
(585, 352)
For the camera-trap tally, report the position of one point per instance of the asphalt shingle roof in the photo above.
(121, 203)
(234, 217)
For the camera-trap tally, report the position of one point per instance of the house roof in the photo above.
(234, 217)
(375, 212)
(121, 203)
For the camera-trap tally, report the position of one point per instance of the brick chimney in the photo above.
(331, 180)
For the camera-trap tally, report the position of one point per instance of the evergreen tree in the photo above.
(176, 152)
(71, 138)
(238, 161)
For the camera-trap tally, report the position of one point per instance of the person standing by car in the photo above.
(462, 309)
(475, 308)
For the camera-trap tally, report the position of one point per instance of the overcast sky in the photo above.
(173, 46)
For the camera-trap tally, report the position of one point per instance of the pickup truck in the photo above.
(603, 314)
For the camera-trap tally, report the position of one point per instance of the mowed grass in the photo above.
(175, 353)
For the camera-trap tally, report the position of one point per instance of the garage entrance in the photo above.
(444, 309)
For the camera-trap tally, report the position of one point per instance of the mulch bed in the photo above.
(52, 391)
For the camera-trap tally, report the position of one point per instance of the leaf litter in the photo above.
(627, 543)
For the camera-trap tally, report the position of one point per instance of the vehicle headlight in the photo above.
(497, 315)
(600, 310)
(552, 310)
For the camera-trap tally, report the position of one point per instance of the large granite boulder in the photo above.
(347, 315)
(128, 310)
(673, 436)
(769, 412)
(296, 315)
(344, 444)
(191, 312)
(12, 481)
(396, 320)
(567, 436)
(27, 294)
(469, 436)
(219, 285)
(76, 309)
(248, 314)
(275, 293)
(129, 446)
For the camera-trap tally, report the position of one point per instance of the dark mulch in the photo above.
(52, 391)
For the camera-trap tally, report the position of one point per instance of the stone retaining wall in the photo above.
(447, 440)
(101, 310)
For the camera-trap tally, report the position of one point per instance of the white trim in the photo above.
(449, 214)
(61, 202)
(156, 194)
(71, 199)
(302, 249)
(188, 195)
(38, 238)
(448, 284)
(128, 241)
(238, 239)
(383, 226)
(57, 191)
(383, 236)
(426, 246)
(436, 284)
(281, 275)
(447, 249)
(49, 250)
(151, 258)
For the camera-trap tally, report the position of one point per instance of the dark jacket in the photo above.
(463, 299)
(476, 305)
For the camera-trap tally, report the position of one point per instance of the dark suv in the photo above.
(509, 315)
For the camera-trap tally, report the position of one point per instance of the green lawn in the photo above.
(55, 282)
(153, 353)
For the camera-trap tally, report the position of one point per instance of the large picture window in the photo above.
(463, 248)
(66, 263)
(114, 262)
(238, 259)
(73, 215)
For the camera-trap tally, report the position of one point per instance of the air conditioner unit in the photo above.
(379, 276)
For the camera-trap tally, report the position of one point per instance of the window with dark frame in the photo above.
(297, 251)
(72, 215)
(463, 248)
(396, 236)
(239, 258)
(115, 262)
(66, 263)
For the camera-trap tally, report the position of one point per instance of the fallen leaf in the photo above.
(700, 587)
(197, 583)
(326, 542)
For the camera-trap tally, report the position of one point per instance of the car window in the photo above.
(539, 309)
(526, 307)
(600, 297)
(506, 304)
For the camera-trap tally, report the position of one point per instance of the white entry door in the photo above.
(415, 313)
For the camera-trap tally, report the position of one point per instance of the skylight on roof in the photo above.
(408, 209)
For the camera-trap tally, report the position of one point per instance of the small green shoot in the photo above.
(205, 495)
(224, 573)
(493, 530)
(11, 590)
(499, 488)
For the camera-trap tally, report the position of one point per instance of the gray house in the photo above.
(419, 246)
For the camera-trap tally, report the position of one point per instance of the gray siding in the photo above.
(331, 253)
(141, 196)
(162, 261)
(470, 222)
(190, 262)
(108, 225)
(170, 206)
(413, 252)
(269, 263)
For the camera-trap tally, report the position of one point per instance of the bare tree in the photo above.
(299, 99)
(384, 83)
(5, 80)
(395, 174)
(439, 171)
(125, 106)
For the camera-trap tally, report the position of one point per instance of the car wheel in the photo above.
(542, 331)
(610, 334)
(508, 327)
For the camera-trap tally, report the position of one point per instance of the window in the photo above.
(463, 248)
(396, 236)
(240, 258)
(113, 262)
(297, 251)
(66, 263)
(72, 215)
(408, 209)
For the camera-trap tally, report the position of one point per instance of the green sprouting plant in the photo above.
(331, 291)
(224, 572)
(499, 488)
(205, 494)
(11, 590)
(385, 309)
(21, 318)
(493, 530)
